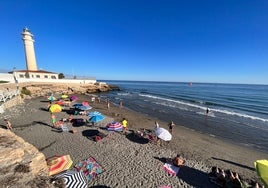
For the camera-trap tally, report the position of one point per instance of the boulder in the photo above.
(21, 163)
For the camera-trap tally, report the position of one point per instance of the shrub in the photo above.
(25, 91)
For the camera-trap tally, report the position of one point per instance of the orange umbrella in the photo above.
(59, 164)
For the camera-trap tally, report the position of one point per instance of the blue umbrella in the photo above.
(77, 105)
(96, 118)
(84, 107)
(95, 113)
(51, 98)
(80, 106)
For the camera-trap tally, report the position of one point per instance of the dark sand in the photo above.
(128, 161)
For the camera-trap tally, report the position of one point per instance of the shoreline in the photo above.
(200, 151)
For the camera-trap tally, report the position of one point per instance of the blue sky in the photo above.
(223, 41)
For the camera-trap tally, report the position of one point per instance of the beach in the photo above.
(129, 161)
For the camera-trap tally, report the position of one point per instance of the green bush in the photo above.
(2, 81)
(25, 91)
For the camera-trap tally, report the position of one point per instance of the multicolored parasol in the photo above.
(57, 164)
(114, 126)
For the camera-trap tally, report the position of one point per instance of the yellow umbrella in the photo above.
(64, 96)
(55, 108)
(262, 170)
(59, 164)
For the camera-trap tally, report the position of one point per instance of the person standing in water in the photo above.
(207, 111)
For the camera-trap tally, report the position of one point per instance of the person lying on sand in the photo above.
(178, 161)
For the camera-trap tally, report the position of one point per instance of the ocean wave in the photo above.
(123, 94)
(224, 111)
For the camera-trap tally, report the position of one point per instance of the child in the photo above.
(124, 122)
(8, 124)
(70, 118)
(53, 119)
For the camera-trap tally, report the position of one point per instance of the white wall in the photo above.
(10, 78)
(7, 77)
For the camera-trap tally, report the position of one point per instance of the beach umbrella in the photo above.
(77, 105)
(114, 126)
(163, 134)
(60, 103)
(57, 164)
(73, 98)
(55, 108)
(80, 106)
(84, 108)
(51, 98)
(94, 113)
(85, 103)
(262, 170)
(64, 96)
(73, 179)
(96, 118)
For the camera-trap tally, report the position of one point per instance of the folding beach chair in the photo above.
(64, 128)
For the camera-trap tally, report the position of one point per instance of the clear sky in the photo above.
(222, 41)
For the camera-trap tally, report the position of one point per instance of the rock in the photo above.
(21, 163)
(42, 89)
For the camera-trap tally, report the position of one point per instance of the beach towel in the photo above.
(171, 169)
(90, 167)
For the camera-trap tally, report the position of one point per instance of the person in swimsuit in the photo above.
(170, 126)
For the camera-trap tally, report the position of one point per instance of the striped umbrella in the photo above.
(57, 164)
(73, 179)
(114, 126)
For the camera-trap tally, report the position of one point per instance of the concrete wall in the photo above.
(7, 77)
(10, 78)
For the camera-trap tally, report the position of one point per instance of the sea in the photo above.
(238, 113)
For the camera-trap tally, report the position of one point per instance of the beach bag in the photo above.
(97, 138)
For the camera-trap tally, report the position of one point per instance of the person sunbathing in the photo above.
(178, 161)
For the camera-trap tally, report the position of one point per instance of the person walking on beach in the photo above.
(170, 126)
(156, 124)
(158, 141)
(124, 122)
(8, 124)
(120, 104)
(108, 104)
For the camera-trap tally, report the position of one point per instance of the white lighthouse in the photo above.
(28, 41)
